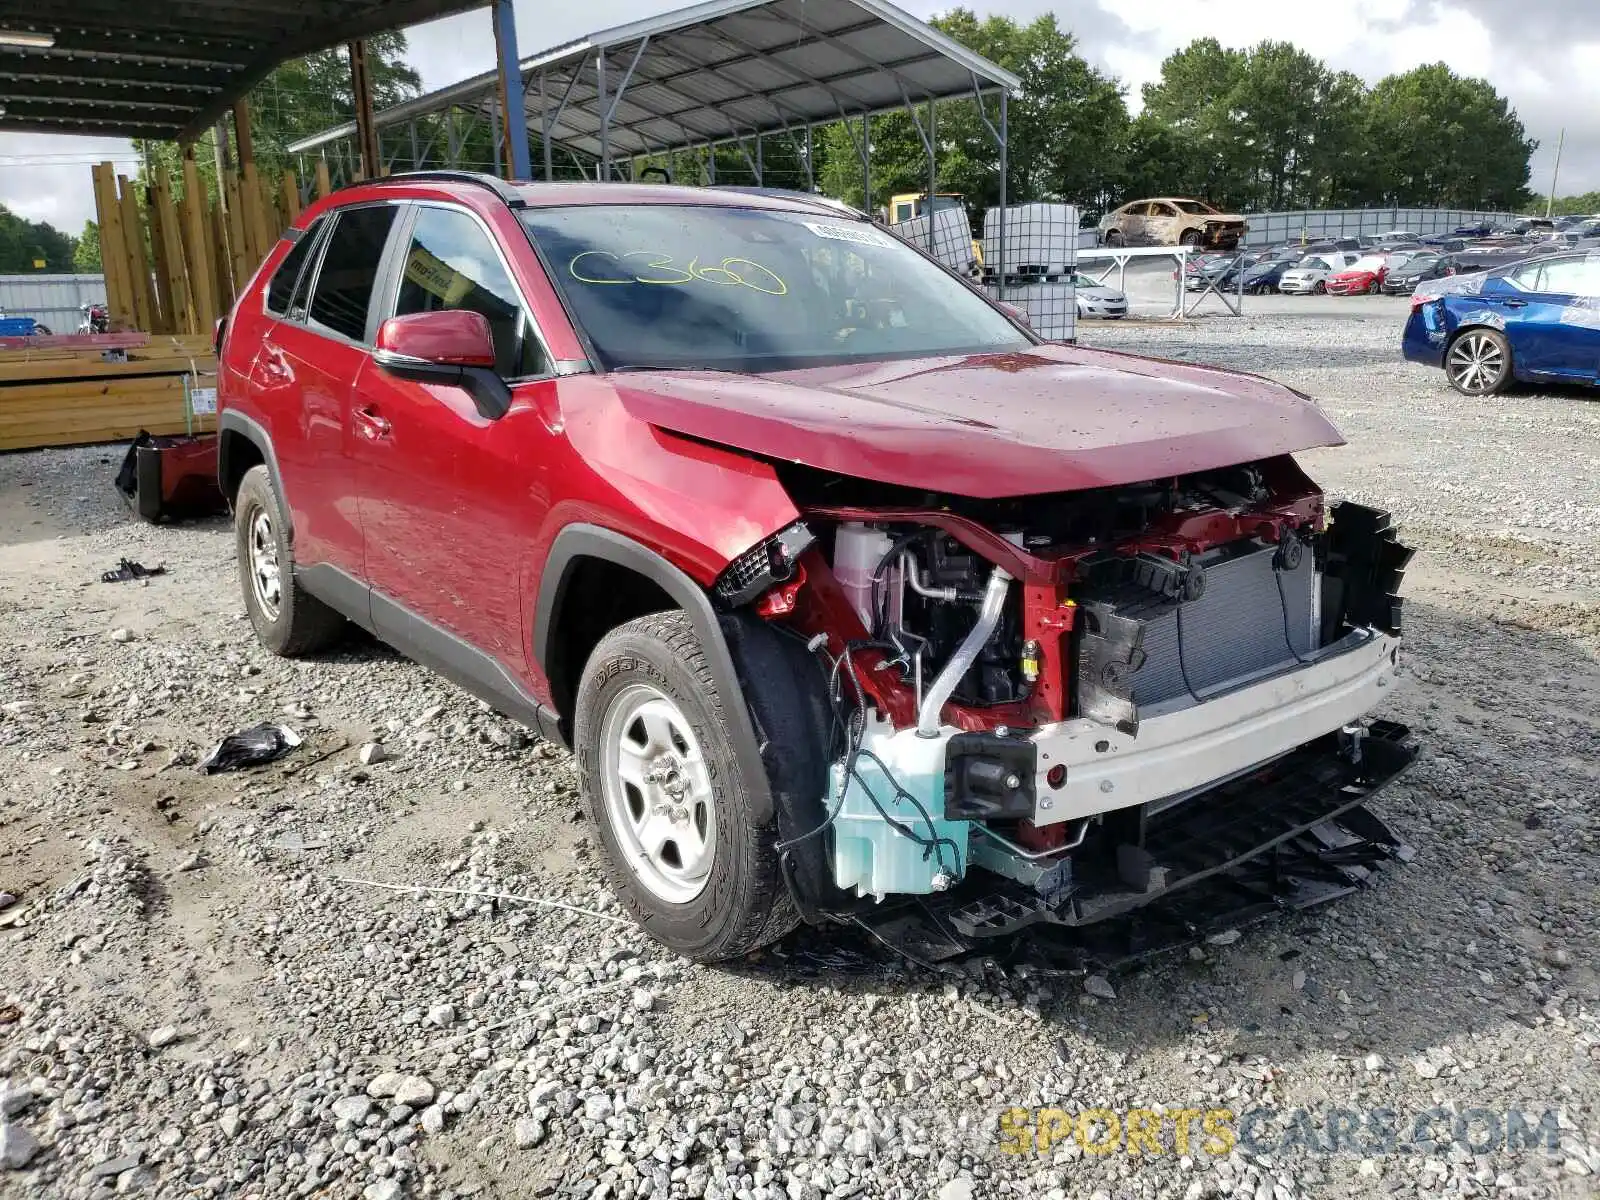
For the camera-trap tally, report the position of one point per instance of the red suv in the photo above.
(853, 598)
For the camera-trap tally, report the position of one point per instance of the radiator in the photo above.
(1145, 651)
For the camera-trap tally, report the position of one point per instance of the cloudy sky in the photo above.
(1542, 54)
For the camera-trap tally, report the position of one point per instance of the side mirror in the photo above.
(452, 348)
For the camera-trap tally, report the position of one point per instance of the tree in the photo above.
(24, 244)
(1437, 139)
(1065, 131)
(86, 256)
(1195, 101)
(300, 98)
(1583, 205)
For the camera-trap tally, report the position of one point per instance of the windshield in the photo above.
(736, 289)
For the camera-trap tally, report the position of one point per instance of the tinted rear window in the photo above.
(350, 269)
(281, 290)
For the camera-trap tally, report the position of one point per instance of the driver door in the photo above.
(449, 497)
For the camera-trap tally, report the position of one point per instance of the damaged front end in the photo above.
(1049, 711)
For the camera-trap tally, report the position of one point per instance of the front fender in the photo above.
(580, 541)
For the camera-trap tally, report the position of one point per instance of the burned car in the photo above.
(846, 590)
(1168, 222)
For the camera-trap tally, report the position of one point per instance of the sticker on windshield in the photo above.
(861, 235)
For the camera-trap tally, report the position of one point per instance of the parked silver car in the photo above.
(1311, 274)
(1096, 299)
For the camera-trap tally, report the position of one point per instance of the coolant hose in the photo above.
(994, 600)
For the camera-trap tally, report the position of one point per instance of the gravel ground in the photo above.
(195, 1001)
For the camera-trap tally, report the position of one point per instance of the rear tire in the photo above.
(684, 851)
(287, 619)
(1478, 362)
(1321, 288)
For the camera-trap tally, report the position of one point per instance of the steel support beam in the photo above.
(600, 108)
(1000, 252)
(512, 108)
(866, 163)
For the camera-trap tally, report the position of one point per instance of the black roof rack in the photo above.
(506, 192)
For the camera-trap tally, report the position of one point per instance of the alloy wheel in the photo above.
(1476, 363)
(266, 576)
(657, 793)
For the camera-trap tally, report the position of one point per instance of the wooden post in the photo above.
(257, 238)
(324, 184)
(241, 133)
(183, 317)
(113, 255)
(144, 307)
(163, 315)
(219, 252)
(197, 245)
(366, 129)
(289, 191)
(238, 247)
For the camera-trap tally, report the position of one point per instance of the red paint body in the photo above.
(404, 485)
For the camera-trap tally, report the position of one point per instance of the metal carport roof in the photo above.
(721, 72)
(166, 68)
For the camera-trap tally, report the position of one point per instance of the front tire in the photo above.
(1478, 362)
(1113, 239)
(287, 619)
(685, 854)
(1321, 288)
(1190, 238)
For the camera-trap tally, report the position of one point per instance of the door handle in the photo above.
(371, 424)
(1515, 303)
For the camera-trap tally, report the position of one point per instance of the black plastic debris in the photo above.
(128, 569)
(250, 748)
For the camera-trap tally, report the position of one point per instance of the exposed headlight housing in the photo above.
(764, 565)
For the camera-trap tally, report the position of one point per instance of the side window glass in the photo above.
(350, 269)
(280, 291)
(1566, 277)
(452, 264)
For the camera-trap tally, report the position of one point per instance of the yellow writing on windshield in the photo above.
(655, 267)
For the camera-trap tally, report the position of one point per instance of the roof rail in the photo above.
(506, 192)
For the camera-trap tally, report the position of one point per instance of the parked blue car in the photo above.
(1537, 319)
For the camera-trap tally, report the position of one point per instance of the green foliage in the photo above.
(1587, 204)
(1434, 138)
(302, 97)
(24, 243)
(86, 256)
(1271, 127)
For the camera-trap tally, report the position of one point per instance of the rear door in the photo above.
(448, 497)
(1552, 316)
(308, 365)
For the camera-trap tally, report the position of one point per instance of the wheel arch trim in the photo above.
(233, 421)
(580, 541)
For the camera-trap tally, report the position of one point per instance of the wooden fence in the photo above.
(174, 262)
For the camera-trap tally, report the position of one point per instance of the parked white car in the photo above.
(1310, 274)
(1096, 299)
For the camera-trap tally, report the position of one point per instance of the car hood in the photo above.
(1053, 418)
